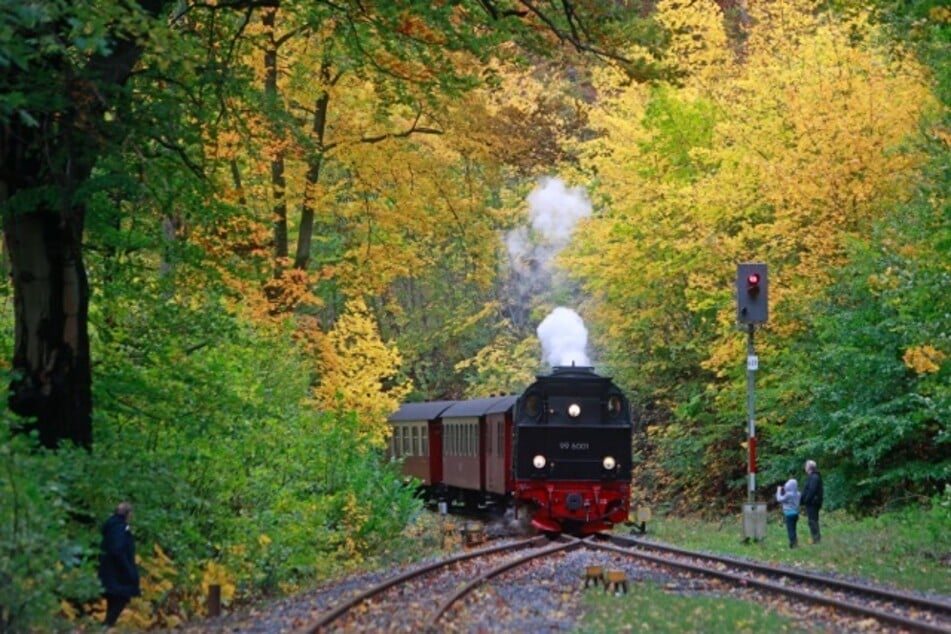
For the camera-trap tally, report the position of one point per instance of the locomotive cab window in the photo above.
(533, 405)
(614, 406)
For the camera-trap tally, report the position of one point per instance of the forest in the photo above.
(238, 233)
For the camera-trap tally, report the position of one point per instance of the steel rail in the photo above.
(886, 594)
(329, 617)
(854, 608)
(567, 543)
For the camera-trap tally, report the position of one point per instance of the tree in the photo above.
(67, 78)
(361, 373)
(68, 102)
(803, 131)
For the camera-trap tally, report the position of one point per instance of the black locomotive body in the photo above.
(573, 451)
(560, 451)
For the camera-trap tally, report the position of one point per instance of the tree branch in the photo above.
(414, 129)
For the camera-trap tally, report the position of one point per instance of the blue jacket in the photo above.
(117, 570)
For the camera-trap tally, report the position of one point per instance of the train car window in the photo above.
(425, 438)
(406, 450)
(415, 440)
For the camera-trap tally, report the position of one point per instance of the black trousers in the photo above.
(115, 603)
(812, 513)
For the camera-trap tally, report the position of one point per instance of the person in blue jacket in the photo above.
(117, 570)
(788, 495)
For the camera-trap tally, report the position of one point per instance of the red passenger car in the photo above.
(477, 449)
(417, 440)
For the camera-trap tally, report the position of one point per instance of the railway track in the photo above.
(893, 608)
(452, 594)
(387, 602)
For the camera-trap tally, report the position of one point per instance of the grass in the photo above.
(649, 608)
(910, 549)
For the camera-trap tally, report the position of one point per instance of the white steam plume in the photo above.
(554, 211)
(564, 338)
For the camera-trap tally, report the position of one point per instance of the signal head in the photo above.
(751, 293)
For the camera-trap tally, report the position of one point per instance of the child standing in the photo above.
(789, 496)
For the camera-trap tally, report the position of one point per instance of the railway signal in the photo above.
(751, 293)
(751, 309)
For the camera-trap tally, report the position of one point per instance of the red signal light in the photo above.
(752, 284)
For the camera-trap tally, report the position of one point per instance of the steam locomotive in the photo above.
(560, 451)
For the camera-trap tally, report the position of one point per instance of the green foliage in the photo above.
(868, 383)
(722, 167)
(213, 437)
(234, 472)
(44, 560)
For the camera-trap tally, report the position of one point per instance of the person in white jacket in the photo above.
(788, 495)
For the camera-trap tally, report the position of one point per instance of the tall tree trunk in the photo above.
(305, 236)
(51, 350)
(278, 180)
(43, 163)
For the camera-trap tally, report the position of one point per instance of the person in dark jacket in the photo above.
(117, 570)
(812, 498)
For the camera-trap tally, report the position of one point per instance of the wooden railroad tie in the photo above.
(616, 580)
(593, 574)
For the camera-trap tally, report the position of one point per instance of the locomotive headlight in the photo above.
(539, 461)
(609, 463)
(574, 410)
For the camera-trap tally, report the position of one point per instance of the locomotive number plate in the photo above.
(574, 446)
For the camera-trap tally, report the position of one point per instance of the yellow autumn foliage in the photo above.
(924, 359)
(215, 574)
(360, 372)
(798, 145)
